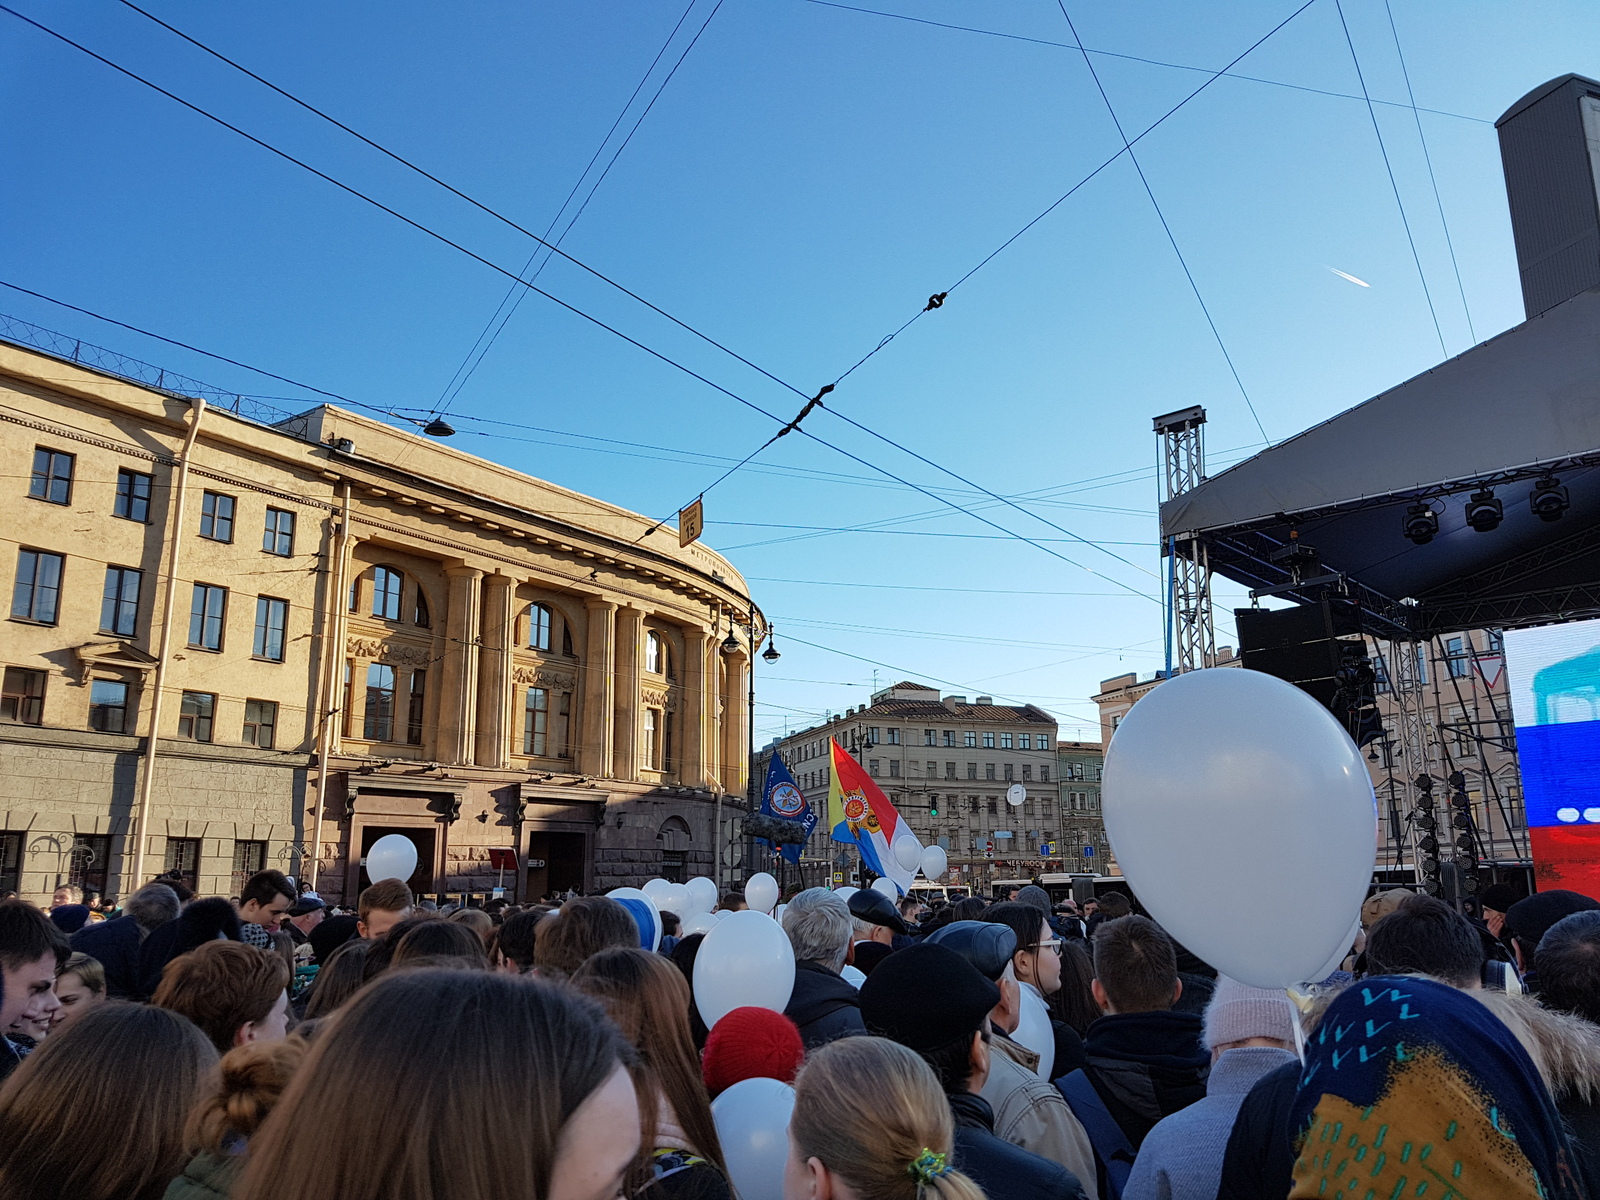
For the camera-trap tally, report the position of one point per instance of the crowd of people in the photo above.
(269, 1047)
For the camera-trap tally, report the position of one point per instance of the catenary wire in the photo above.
(1389, 169)
(1427, 158)
(1162, 217)
(515, 297)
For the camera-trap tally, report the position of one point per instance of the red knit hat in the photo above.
(751, 1043)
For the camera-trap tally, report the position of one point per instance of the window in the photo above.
(415, 707)
(949, 737)
(969, 739)
(994, 807)
(10, 862)
(894, 737)
(419, 616)
(1456, 658)
(652, 739)
(652, 651)
(207, 612)
(972, 770)
(972, 804)
(1010, 772)
(558, 745)
(1380, 668)
(872, 734)
(539, 627)
(1005, 741)
(872, 766)
(894, 768)
(347, 708)
(248, 858)
(216, 516)
(52, 476)
(927, 737)
(260, 724)
(933, 770)
(108, 706)
(119, 608)
(988, 739)
(183, 857)
(1044, 774)
(88, 861)
(355, 594)
(536, 722)
(386, 585)
(278, 536)
(378, 720)
(272, 620)
(37, 594)
(195, 716)
(988, 770)
(1027, 771)
(22, 697)
(949, 770)
(133, 496)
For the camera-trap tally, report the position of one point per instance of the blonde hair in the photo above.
(872, 1111)
(248, 1082)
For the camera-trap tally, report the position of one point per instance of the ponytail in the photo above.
(874, 1114)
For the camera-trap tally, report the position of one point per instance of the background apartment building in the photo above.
(272, 645)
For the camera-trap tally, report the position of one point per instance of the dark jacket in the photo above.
(1146, 1066)
(207, 1177)
(114, 944)
(203, 921)
(823, 1006)
(1004, 1171)
(10, 1060)
(1259, 1161)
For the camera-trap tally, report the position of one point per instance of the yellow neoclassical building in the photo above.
(233, 645)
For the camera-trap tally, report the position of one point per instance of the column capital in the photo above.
(462, 570)
(599, 604)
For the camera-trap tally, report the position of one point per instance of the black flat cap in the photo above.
(873, 907)
(1531, 917)
(306, 905)
(926, 996)
(985, 945)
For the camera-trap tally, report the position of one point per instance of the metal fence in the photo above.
(109, 362)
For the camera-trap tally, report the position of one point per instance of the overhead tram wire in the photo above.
(448, 397)
(1162, 217)
(1394, 186)
(1427, 158)
(1152, 62)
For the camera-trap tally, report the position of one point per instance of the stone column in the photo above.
(599, 689)
(630, 655)
(459, 670)
(713, 711)
(735, 723)
(494, 671)
(692, 735)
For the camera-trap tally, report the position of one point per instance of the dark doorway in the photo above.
(564, 858)
(423, 839)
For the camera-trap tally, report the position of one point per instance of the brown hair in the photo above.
(869, 1109)
(475, 919)
(247, 1085)
(649, 1000)
(339, 978)
(439, 939)
(89, 970)
(27, 935)
(1073, 1002)
(387, 895)
(96, 1112)
(580, 929)
(451, 1085)
(518, 935)
(1136, 964)
(1113, 906)
(221, 986)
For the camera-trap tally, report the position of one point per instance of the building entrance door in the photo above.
(564, 857)
(421, 880)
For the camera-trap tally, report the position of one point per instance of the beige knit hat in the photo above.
(1238, 1011)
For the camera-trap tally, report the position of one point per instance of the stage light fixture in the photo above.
(1421, 524)
(1484, 512)
(1549, 500)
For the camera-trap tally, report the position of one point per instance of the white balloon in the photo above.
(761, 892)
(722, 914)
(752, 1119)
(908, 853)
(674, 898)
(1338, 957)
(852, 975)
(745, 962)
(393, 856)
(699, 923)
(935, 862)
(1217, 765)
(633, 893)
(886, 886)
(844, 893)
(702, 895)
(777, 913)
(655, 889)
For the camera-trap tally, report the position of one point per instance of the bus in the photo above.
(1061, 886)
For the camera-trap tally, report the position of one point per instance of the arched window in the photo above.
(539, 627)
(652, 652)
(421, 615)
(387, 584)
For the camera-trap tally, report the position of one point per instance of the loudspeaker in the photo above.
(1318, 648)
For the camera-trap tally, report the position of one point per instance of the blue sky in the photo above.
(808, 177)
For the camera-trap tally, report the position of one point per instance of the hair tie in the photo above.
(928, 1166)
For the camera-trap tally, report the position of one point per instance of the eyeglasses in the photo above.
(1053, 944)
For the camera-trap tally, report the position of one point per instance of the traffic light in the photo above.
(933, 807)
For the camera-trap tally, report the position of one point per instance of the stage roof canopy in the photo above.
(1521, 406)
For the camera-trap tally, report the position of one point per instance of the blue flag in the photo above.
(781, 798)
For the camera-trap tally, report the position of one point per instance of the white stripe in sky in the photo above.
(1351, 278)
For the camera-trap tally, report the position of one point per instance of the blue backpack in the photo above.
(1113, 1153)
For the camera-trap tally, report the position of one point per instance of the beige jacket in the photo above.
(1031, 1113)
